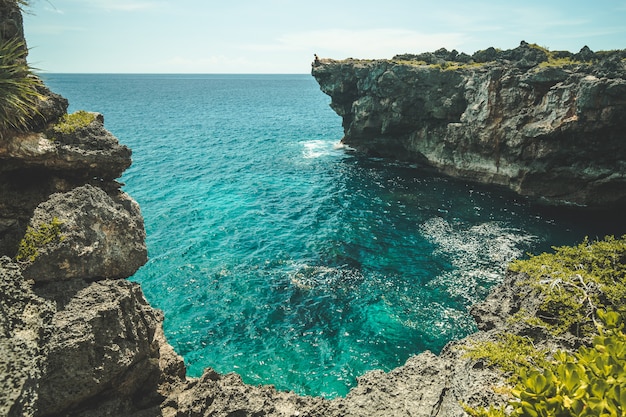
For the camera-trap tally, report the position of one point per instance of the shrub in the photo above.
(574, 282)
(576, 285)
(509, 353)
(485, 412)
(590, 382)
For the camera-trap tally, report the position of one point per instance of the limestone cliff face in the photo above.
(75, 337)
(547, 125)
(78, 340)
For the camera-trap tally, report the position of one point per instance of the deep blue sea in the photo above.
(279, 255)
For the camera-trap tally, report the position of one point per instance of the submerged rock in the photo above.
(548, 125)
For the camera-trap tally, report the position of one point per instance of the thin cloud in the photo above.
(120, 5)
(55, 29)
(367, 43)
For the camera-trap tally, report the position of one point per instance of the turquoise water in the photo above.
(279, 255)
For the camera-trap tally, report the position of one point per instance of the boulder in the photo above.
(84, 234)
(106, 345)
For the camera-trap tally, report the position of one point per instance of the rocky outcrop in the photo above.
(78, 340)
(549, 125)
(106, 347)
(75, 338)
(25, 329)
(99, 236)
(36, 165)
(86, 152)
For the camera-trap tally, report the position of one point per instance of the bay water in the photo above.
(279, 255)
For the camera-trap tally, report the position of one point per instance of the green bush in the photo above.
(509, 353)
(574, 282)
(35, 239)
(590, 382)
(18, 88)
(485, 412)
(576, 285)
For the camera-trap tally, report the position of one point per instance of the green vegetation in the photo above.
(35, 239)
(18, 88)
(555, 59)
(452, 66)
(539, 48)
(509, 353)
(69, 123)
(559, 62)
(576, 286)
(408, 62)
(590, 382)
(485, 412)
(446, 66)
(574, 282)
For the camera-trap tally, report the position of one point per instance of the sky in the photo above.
(281, 36)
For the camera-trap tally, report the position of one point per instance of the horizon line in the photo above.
(171, 73)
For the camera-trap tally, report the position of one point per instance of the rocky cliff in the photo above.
(550, 125)
(77, 339)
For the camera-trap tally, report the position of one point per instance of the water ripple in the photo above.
(279, 255)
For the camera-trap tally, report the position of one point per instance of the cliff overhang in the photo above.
(77, 339)
(548, 125)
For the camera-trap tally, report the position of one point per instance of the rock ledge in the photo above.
(549, 125)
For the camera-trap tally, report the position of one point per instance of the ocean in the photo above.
(278, 254)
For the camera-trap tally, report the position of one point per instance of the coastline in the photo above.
(81, 340)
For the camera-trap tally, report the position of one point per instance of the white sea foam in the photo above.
(316, 148)
(343, 146)
(307, 277)
(479, 254)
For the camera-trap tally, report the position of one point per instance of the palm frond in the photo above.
(18, 87)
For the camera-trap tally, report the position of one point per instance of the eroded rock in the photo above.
(25, 329)
(106, 344)
(554, 132)
(98, 236)
(87, 152)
